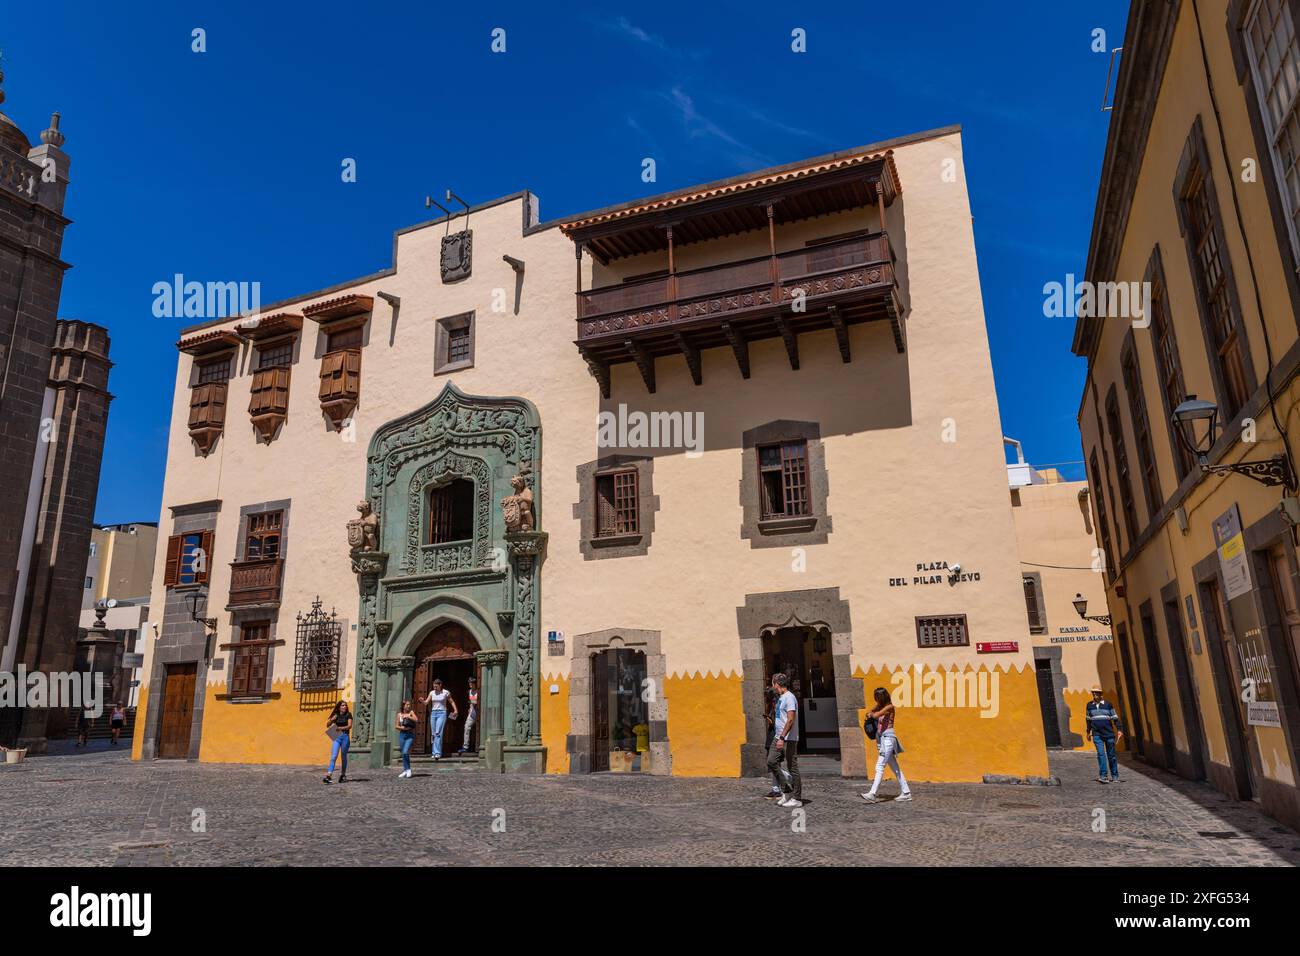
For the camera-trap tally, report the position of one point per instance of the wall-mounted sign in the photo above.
(1191, 613)
(934, 572)
(133, 660)
(996, 647)
(1080, 638)
(1231, 545)
(554, 643)
(1261, 702)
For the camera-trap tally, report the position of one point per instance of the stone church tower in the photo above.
(53, 411)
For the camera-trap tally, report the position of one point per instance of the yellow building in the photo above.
(734, 447)
(1197, 216)
(1059, 564)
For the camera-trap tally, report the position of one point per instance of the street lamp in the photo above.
(192, 599)
(1187, 418)
(1081, 605)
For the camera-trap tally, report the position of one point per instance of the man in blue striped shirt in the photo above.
(1102, 727)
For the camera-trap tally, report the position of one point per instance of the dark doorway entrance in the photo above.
(1156, 673)
(1047, 702)
(446, 654)
(1225, 662)
(1186, 693)
(804, 655)
(177, 711)
(620, 714)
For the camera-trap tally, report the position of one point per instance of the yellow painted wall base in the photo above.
(137, 740)
(951, 744)
(706, 724)
(272, 731)
(555, 724)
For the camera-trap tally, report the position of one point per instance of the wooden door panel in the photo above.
(177, 711)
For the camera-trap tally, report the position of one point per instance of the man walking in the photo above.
(1102, 727)
(785, 744)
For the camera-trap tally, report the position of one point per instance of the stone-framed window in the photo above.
(1201, 224)
(1035, 606)
(250, 669)
(454, 344)
(616, 506)
(784, 485)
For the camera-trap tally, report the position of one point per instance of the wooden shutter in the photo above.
(208, 405)
(352, 372)
(794, 473)
(205, 542)
(606, 513)
(270, 391)
(172, 569)
(1031, 605)
(331, 376)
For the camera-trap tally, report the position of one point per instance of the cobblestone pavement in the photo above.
(99, 808)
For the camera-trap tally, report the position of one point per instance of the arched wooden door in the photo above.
(447, 653)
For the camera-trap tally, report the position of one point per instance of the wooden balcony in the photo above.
(827, 284)
(255, 583)
(833, 286)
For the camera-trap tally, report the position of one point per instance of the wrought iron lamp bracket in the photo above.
(1271, 471)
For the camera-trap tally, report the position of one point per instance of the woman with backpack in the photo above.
(880, 726)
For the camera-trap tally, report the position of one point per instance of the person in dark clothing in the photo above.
(1101, 724)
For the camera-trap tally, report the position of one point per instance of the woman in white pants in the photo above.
(887, 743)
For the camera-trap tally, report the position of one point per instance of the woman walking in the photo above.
(406, 723)
(439, 700)
(339, 726)
(116, 721)
(888, 745)
(471, 717)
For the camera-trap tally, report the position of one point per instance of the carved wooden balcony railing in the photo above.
(832, 285)
(255, 582)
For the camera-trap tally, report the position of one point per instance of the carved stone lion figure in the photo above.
(363, 532)
(518, 508)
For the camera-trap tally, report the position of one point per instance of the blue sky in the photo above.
(225, 164)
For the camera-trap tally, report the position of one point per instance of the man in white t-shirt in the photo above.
(439, 700)
(785, 744)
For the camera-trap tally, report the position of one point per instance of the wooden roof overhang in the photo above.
(271, 326)
(736, 206)
(341, 307)
(206, 343)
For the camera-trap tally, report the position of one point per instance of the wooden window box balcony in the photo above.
(268, 406)
(255, 583)
(207, 414)
(340, 384)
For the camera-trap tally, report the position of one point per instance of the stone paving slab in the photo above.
(98, 808)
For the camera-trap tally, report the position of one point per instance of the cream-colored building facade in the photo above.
(120, 564)
(1060, 562)
(1197, 205)
(820, 322)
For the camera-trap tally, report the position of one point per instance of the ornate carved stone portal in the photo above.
(412, 580)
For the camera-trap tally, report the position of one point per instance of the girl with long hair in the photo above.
(407, 719)
(340, 727)
(888, 746)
